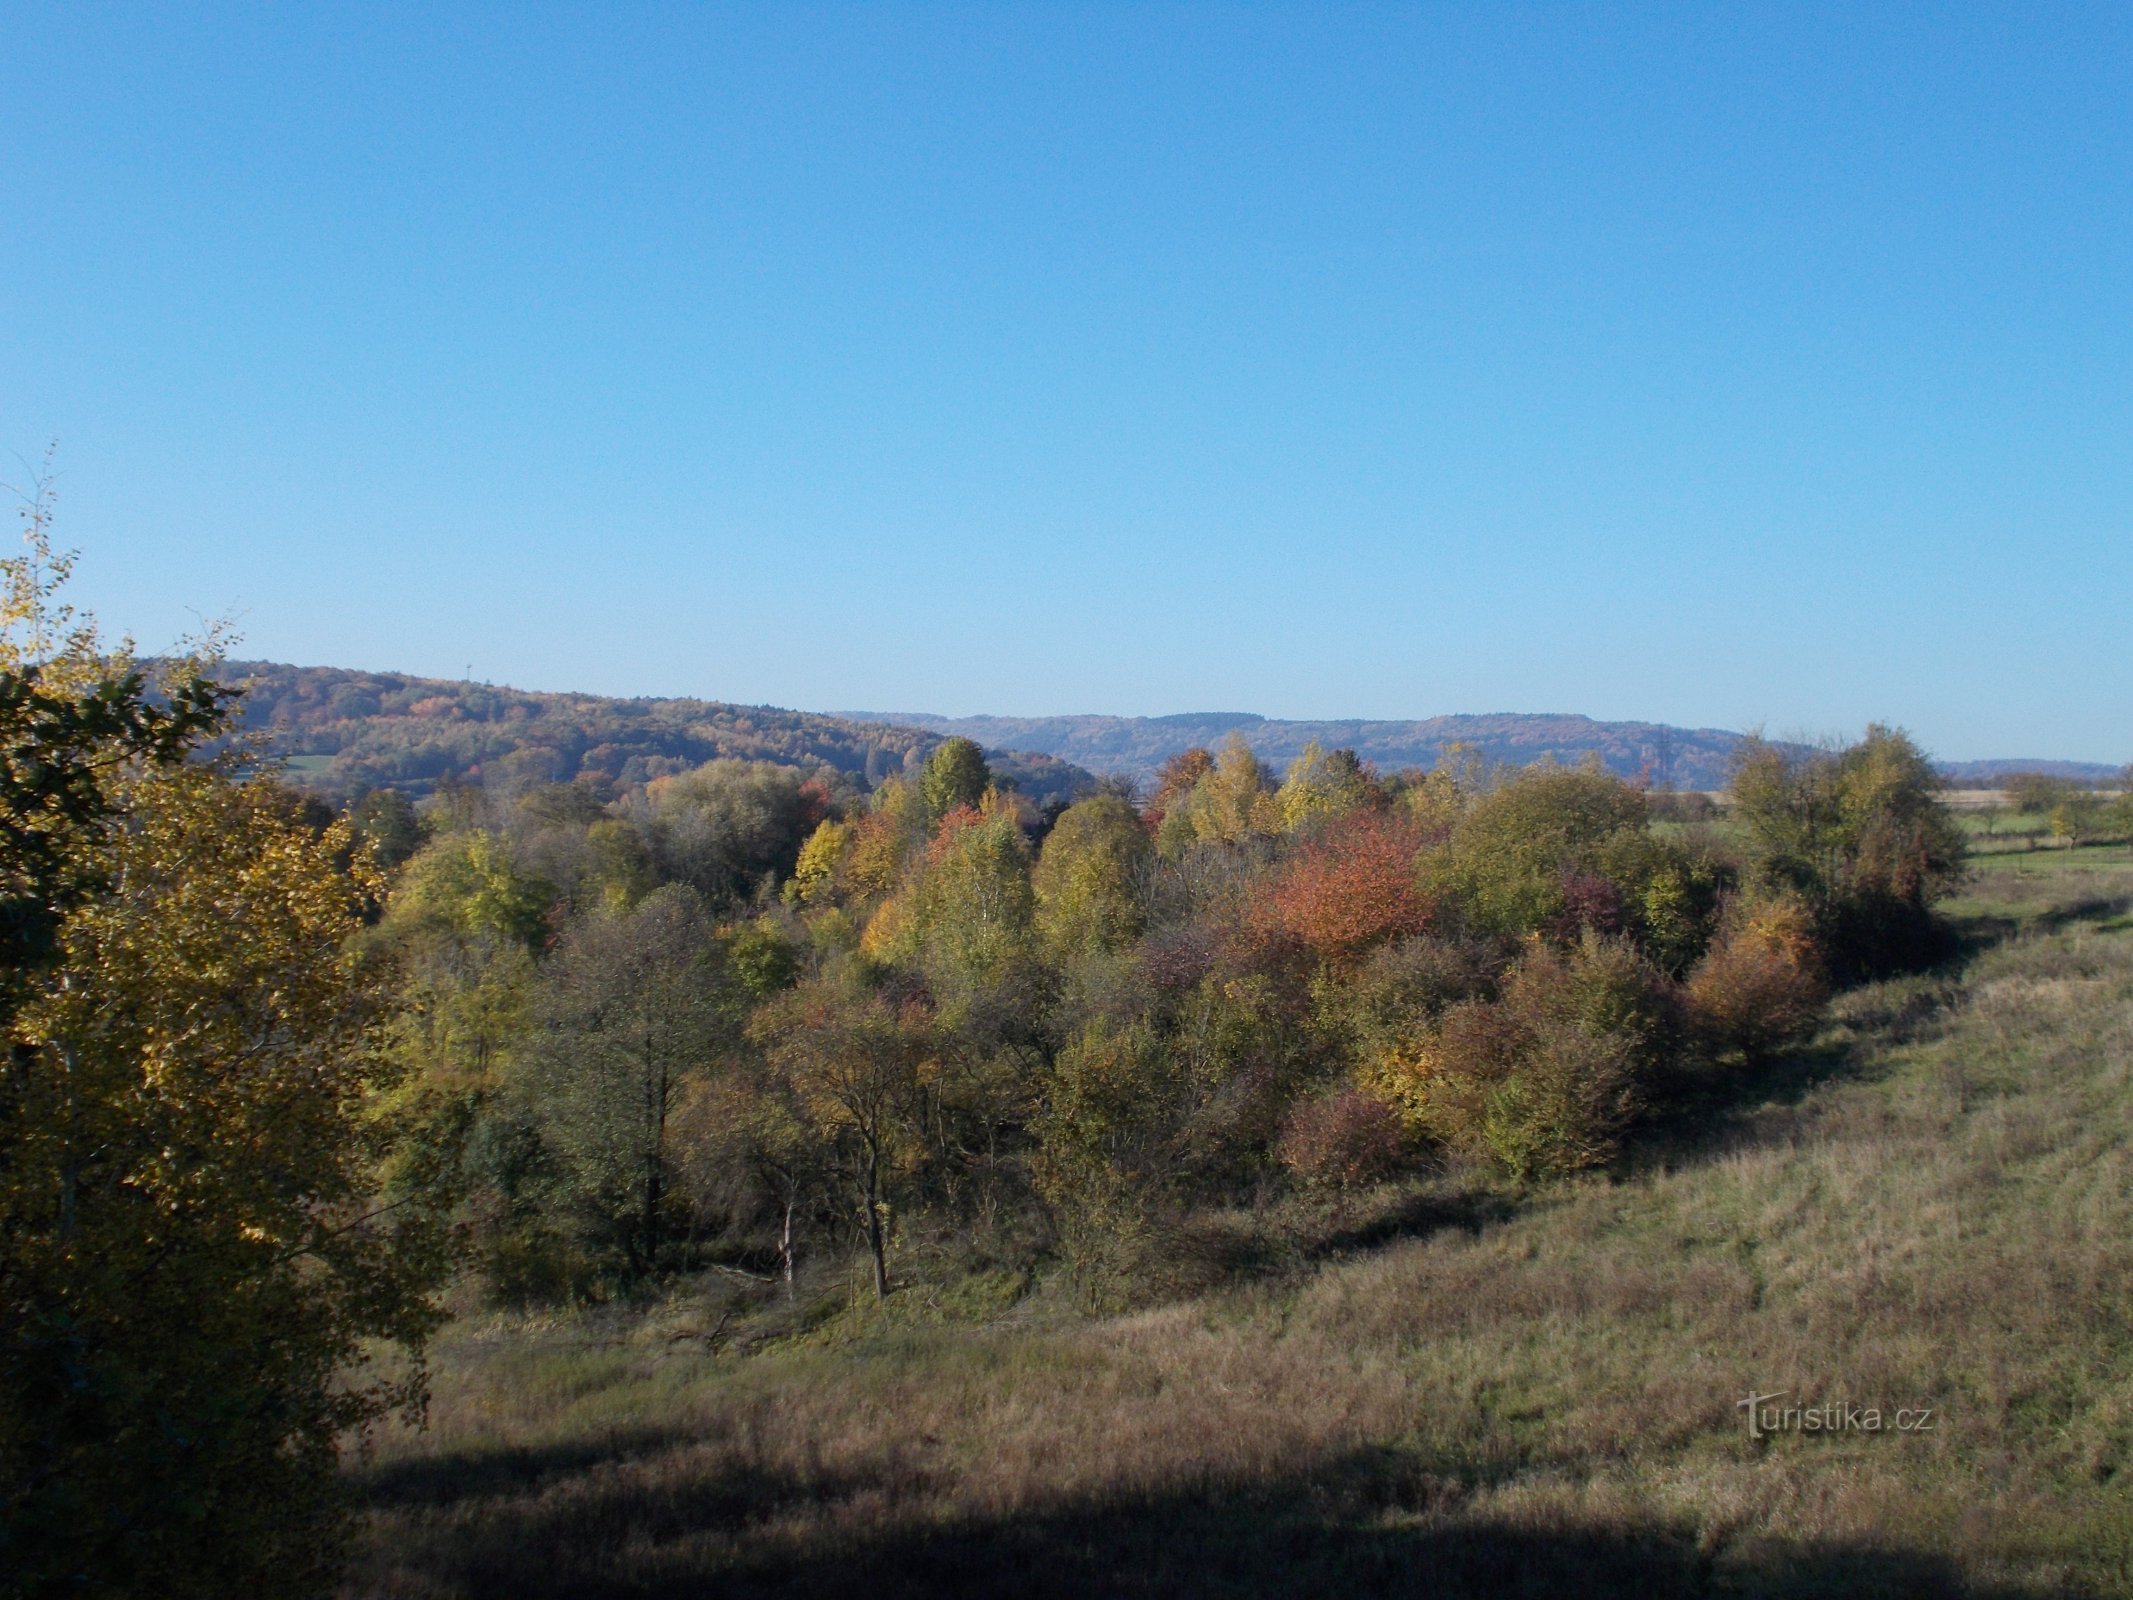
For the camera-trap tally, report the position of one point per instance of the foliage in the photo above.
(1761, 986)
(1229, 804)
(821, 858)
(465, 884)
(1546, 1079)
(727, 829)
(1340, 1140)
(1527, 854)
(187, 1188)
(2034, 794)
(1862, 836)
(1090, 878)
(1322, 784)
(851, 1062)
(1352, 886)
(1110, 1155)
(1176, 778)
(193, 1264)
(965, 918)
(955, 775)
(631, 1009)
(385, 820)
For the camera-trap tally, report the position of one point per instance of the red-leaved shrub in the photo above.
(1340, 1141)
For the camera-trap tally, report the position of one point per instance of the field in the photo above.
(1452, 1387)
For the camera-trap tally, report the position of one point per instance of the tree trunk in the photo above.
(656, 1089)
(785, 1244)
(874, 1238)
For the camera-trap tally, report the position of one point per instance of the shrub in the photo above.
(1340, 1141)
(1761, 986)
(1544, 1080)
(1353, 887)
(1862, 837)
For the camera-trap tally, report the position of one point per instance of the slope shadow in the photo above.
(1413, 1216)
(477, 1473)
(1369, 1523)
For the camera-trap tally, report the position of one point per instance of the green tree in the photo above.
(727, 829)
(385, 819)
(631, 1008)
(1090, 878)
(955, 775)
(465, 884)
(2034, 794)
(1515, 851)
(1861, 835)
(1319, 783)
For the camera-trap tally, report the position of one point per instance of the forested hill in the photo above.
(346, 731)
(1685, 758)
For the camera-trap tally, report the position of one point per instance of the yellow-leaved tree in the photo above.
(193, 1256)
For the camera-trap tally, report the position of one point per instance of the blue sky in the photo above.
(1723, 365)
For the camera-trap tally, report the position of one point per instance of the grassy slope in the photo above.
(1445, 1392)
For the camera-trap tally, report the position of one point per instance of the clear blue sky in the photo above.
(1715, 364)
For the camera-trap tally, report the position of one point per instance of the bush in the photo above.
(1761, 986)
(1340, 1141)
(1352, 887)
(1546, 1079)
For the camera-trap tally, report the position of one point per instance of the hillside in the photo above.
(345, 731)
(1445, 1388)
(1683, 758)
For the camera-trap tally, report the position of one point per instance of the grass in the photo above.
(1448, 1389)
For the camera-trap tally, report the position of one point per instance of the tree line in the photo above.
(751, 1011)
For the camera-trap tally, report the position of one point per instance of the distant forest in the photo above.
(1652, 753)
(344, 732)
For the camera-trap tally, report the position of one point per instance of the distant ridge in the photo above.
(1682, 758)
(1662, 755)
(344, 731)
(1982, 774)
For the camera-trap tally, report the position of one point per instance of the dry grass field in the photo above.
(1451, 1388)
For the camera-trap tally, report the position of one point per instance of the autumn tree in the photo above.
(1228, 805)
(1176, 779)
(193, 1261)
(1353, 886)
(965, 917)
(821, 859)
(1090, 877)
(850, 1060)
(1544, 1079)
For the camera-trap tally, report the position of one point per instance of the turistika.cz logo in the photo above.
(1765, 1417)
